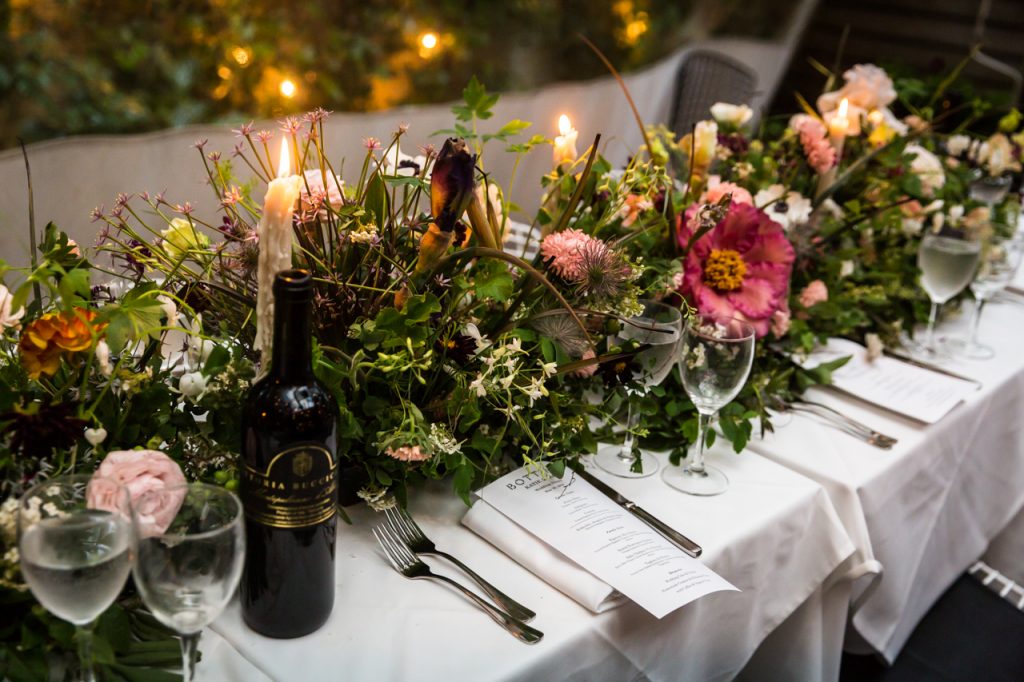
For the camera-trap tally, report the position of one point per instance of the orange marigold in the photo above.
(48, 338)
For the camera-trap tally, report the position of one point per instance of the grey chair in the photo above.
(706, 77)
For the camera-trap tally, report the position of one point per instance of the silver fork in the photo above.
(406, 563)
(844, 423)
(408, 530)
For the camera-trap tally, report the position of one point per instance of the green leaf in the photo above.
(463, 482)
(510, 129)
(377, 199)
(494, 281)
(74, 286)
(478, 102)
(137, 315)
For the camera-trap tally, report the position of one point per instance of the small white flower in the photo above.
(8, 318)
(95, 436)
(697, 357)
(846, 268)
(874, 345)
(736, 114)
(199, 349)
(170, 309)
(957, 144)
(477, 386)
(549, 368)
(192, 384)
(103, 358)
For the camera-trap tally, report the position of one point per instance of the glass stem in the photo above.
(929, 343)
(979, 304)
(83, 633)
(189, 649)
(629, 441)
(697, 465)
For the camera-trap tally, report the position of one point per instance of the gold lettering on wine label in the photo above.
(297, 489)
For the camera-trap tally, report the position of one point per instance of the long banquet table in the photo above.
(806, 516)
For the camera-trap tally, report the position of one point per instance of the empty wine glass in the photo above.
(74, 540)
(947, 262)
(1000, 259)
(657, 328)
(188, 571)
(714, 362)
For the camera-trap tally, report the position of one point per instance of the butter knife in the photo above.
(675, 537)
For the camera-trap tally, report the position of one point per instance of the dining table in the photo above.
(833, 543)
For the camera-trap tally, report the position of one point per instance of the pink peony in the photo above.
(408, 453)
(141, 471)
(821, 156)
(716, 189)
(565, 250)
(780, 322)
(740, 268)
(814, 293)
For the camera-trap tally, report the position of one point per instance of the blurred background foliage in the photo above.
(117, 66)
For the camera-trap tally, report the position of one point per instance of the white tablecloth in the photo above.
(928, 508)
(774, 534)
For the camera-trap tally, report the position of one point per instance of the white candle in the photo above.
(839, 124)
(565, 143)
(275, 234)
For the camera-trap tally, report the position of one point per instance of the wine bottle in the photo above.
(289, 478)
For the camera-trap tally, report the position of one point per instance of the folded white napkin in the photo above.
(541, 559)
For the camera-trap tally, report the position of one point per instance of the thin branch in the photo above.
(34, 258)
(625, 90)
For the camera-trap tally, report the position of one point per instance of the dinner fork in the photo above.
(406, 528)
(837, 420)
(406, 563)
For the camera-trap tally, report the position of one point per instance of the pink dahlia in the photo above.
(565, 250)
(821, 156)
(740, 268)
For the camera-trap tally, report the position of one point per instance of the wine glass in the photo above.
(947, 262)
(657, 328)
(74, 540)
(1000, 259)
(190, 543)
(714, 362)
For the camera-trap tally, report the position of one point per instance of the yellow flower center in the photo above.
(724, 270)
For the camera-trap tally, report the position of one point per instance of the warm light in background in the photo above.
(241, 55)
(564, 125)
(428, 40)
(224, 72)
(287, 88)
(429, 44)
(284, 164)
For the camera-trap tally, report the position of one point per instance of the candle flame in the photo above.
(844, 107)
(564, 125)
(284, 166)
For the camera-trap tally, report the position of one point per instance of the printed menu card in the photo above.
(576, 519)
(907, 389)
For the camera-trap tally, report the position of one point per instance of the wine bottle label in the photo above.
(297, 489)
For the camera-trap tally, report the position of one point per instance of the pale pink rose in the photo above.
(780, 323)
(717, 189)
(408, 453)
(589, 370)
(141, 472)
(316, 196)
(814, 293)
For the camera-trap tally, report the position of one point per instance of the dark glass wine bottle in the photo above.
(289, 478)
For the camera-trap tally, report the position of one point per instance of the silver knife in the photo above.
(675, 537)
(930, 367)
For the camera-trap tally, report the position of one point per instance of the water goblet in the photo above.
(657, 329)
(74, 543)
(715, 358)
(947, 262)
(1000, 259)
(188, 571)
